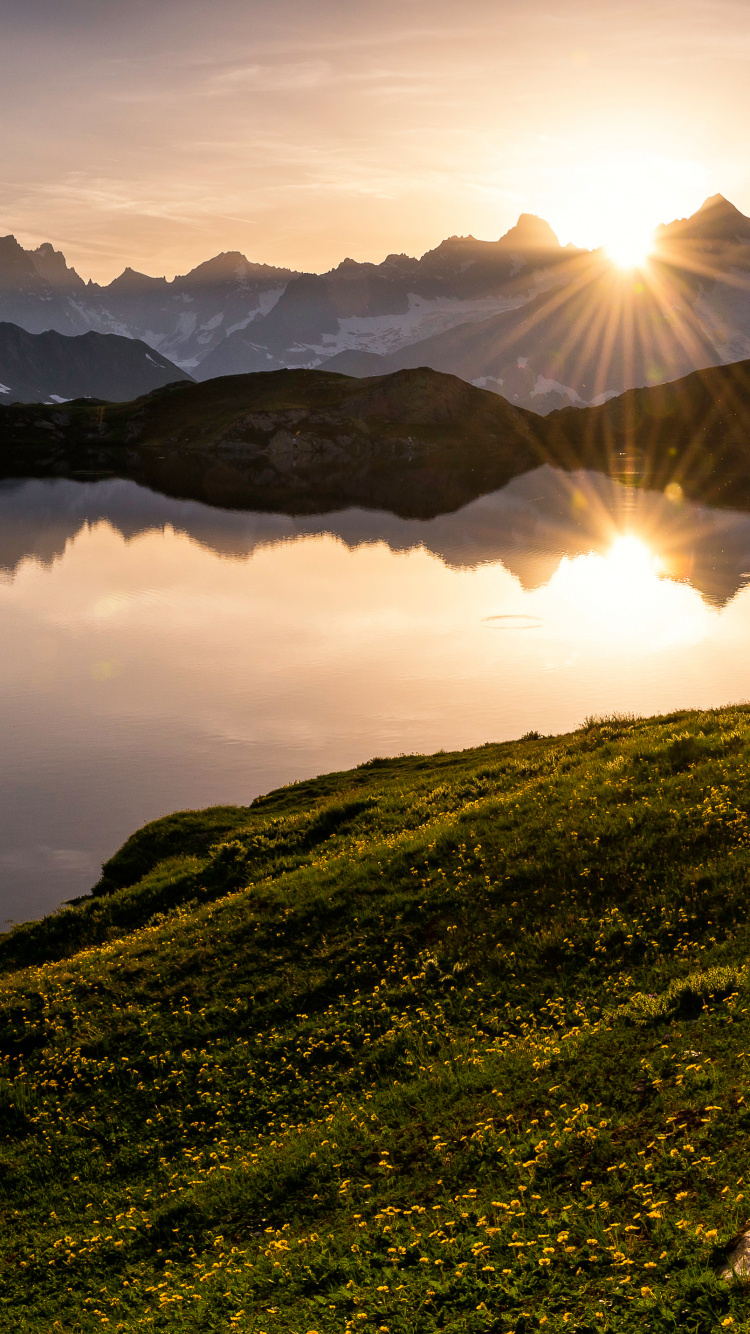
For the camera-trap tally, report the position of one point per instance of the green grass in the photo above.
(443, 1043)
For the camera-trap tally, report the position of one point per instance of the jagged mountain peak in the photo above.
(51, 265)
(531, 232)
(227, 264)
(715, 220)
(17, 269)
(231, 266)
(350, 268)
(9, 242)
(455, 243)
(130, 281)
(718, 202)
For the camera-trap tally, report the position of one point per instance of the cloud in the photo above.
(300, 77)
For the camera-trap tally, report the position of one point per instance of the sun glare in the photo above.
(614, 196)
(630, 250)
(630, 553)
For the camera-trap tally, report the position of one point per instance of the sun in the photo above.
(611, 196)
(630, 249)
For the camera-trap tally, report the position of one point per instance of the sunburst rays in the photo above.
(603, 330)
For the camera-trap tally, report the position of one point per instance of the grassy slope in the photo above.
(441, 1043)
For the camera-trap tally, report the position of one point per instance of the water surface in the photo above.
(158, 654)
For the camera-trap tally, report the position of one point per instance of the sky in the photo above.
(157, 133)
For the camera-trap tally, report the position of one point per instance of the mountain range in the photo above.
(183, 319)
(543, 325)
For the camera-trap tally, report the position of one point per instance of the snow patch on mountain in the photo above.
(545, 386)
(385, 334)
(266, 301)
(99, 320)
(186, 323)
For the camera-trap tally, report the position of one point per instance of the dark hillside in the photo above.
(694, 432)
(35, 368)
(417, 442)
(442, 1043)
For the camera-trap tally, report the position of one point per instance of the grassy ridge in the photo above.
(294, 441)
(417, 442)
(692, 432)
(441, 1043)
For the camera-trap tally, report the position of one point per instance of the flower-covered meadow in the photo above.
(449, 1042)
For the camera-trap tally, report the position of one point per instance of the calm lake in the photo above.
(158, 654)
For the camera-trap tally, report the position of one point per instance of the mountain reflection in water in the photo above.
(529, 526)
(158, 654)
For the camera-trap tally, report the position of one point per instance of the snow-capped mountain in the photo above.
(381, 308)
(542, 324)
(183, 319)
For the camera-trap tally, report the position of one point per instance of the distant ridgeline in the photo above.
(416, 442)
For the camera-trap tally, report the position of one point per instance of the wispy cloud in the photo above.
(313, 128)
(279, 78)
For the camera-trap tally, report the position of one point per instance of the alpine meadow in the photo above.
(441, 1042)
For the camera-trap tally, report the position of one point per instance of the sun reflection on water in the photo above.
(626, 595)
(629, 554)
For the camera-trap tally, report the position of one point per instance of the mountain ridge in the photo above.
(230, 315)
(38, 367)
(417, 442)
(717, 219)
(229, 291)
